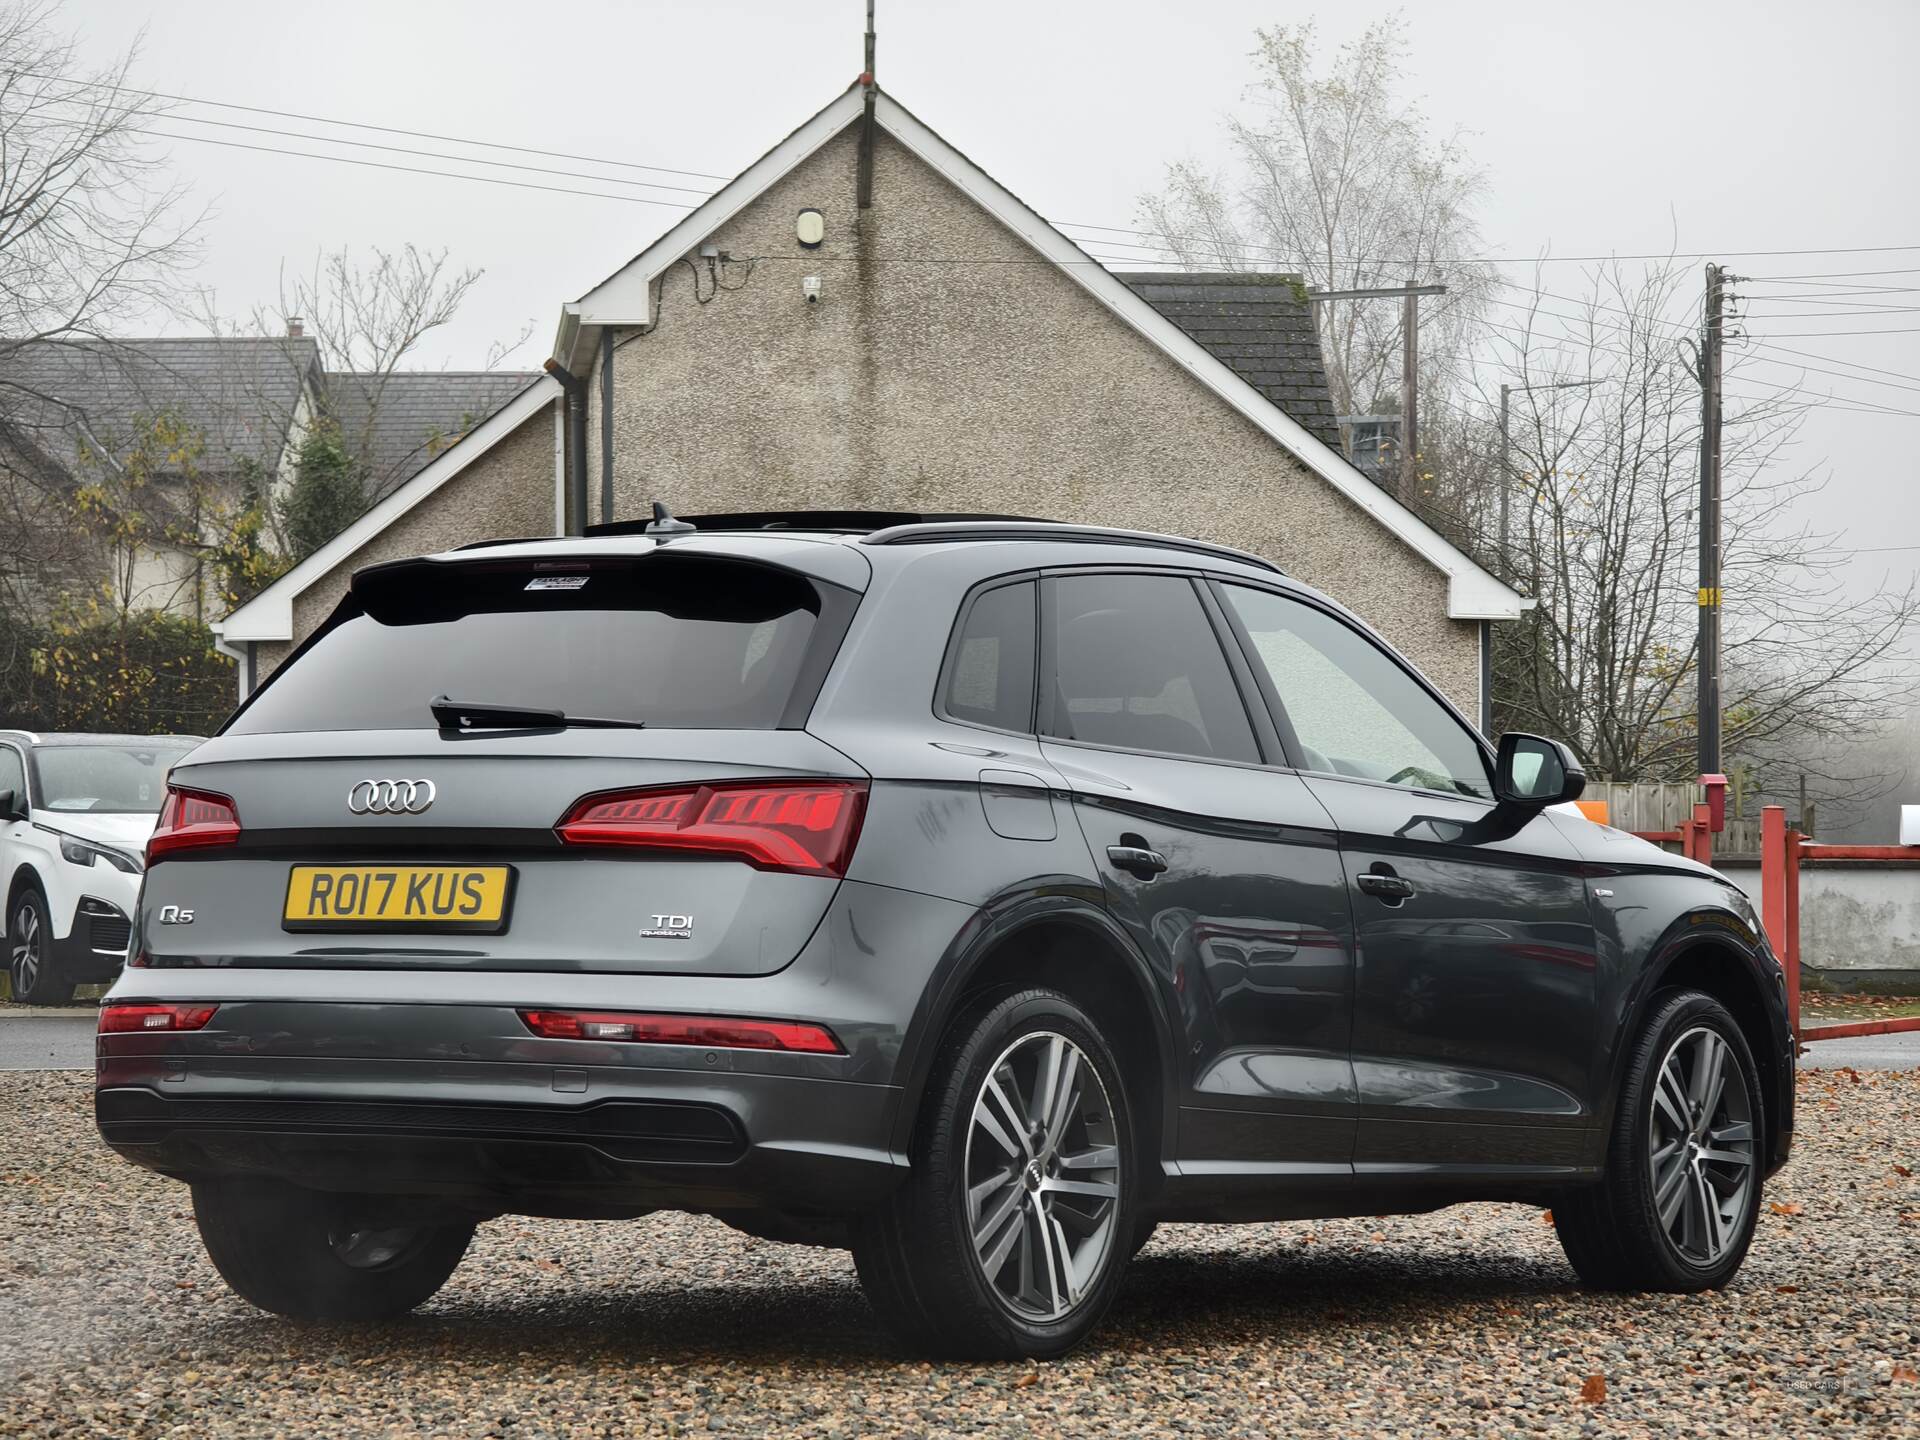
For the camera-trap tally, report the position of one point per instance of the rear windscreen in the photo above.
(692, 643)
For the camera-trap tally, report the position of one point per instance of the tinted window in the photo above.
(1354, 710)
(103, 779)
(13, 775)
(1136, 664)
(688, 643)
(990, 666)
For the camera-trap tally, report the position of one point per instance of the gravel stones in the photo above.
(112, 1323)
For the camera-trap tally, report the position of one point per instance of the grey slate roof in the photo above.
(240, 393)
(1258, 326)
(404, 419)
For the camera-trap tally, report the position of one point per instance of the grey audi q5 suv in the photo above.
(971, 893)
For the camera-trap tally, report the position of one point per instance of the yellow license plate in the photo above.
(471, 898)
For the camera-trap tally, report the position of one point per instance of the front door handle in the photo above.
(1137, 860)
(1391, 888)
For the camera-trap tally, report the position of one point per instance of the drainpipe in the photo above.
(606, 426)
(576, 444)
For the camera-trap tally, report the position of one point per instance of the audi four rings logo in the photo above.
(390, 797)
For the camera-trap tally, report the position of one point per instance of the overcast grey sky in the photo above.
(1614, 128)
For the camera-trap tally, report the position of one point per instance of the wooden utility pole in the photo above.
(1409, 363)
(1711, 372)
(1409, 397)
(864, 187)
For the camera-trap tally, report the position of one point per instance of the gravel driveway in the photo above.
(113, 1323)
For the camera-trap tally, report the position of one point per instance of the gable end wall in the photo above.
(947, 367)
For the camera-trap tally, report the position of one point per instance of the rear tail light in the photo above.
(145, 1019)
(808, 827)
(191, 820)
(714, 1032)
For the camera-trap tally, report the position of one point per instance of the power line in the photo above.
(1831, 334)
(1851, 364)
(1497, 259)
(418, 170)
(1813, 398)
(1802, 396)
(1840, 374)
(437, 155)
(363, 125)
(1832, 274)
(709, 175)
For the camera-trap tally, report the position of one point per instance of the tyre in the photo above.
(32, 970)
(1677, 1208)
(314, 1256)
(1011, 1234)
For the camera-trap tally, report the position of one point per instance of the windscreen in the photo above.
(694, 643)
(104, 779)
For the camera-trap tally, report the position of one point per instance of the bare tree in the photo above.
(92, 236)
(368, 317)
(1335, 177)
(1604, 535)
(348, 327)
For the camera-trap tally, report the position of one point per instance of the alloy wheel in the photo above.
(1043, 1175)
(1702, 1147)
(25, 963)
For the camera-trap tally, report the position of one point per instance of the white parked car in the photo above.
(75, 814)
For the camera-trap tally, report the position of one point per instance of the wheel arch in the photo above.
(25, 877)
(1080, 950)
(1718, 960)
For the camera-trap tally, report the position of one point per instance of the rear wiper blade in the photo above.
(477, 715)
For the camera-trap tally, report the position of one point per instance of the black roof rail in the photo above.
(943, 531)
(849, 522)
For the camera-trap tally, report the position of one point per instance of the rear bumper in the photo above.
(518, 1135)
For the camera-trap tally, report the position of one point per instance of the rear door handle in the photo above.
(1137, 860)
(1387, 887)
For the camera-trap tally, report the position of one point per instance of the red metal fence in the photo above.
(1781, 852)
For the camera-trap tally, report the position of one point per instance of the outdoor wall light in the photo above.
(810, 228)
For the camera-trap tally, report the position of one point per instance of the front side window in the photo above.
(1136, 665)
(103, 779)
(13, 775)
(1354, 710)
(990, 666)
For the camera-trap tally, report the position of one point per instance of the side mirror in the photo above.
(1536, 772)
(11, 807)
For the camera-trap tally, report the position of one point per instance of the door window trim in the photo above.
(1045, 699)
(974, 595)
(1284, 723)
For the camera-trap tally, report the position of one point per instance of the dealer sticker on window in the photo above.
(557, 582)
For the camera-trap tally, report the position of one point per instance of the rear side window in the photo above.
(694, 643)
(1136, 664)
(989, 671)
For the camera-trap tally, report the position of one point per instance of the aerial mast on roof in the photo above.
(864, 190)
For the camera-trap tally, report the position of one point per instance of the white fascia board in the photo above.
(232, 652)
(269, 615)
(625, 299)
(1472, 593)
